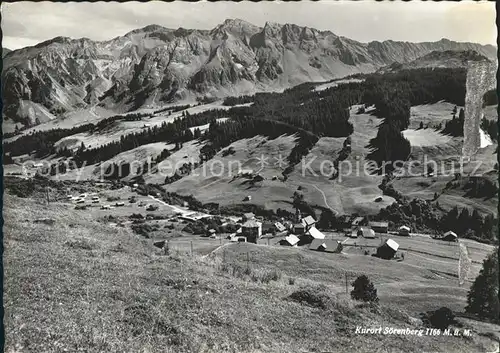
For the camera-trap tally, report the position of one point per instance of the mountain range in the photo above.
(154, 65)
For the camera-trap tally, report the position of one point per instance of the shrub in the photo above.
(291, 281)
(441, 318)
(113, 198)
(313, 296)
(364, 290)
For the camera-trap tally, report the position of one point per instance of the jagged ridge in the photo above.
(154, 65)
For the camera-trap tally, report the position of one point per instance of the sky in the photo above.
(28, 23)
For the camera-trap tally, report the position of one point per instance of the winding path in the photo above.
(324, 199)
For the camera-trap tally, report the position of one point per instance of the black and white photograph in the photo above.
(250, 177)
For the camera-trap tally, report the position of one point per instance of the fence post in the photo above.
(191, 248)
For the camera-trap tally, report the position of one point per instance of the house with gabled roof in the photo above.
(388, 250)
(290, 240)
(325, 245)
(308, 222)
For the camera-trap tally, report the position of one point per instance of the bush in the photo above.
(313, 296)
(364, 290)
(441, 318)
(291, 281)
(113, 198)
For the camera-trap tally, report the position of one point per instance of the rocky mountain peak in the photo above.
(155, 64)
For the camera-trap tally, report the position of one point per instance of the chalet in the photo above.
(314, 233)
(308, 222)
(290, 240)
(366, 232)
(187, 219)
(211, 232)
(326, 245)
(252, 230)
(404, 230)
(311, 235)
(379, 227)
(388, 250)
(449, 236)
(248, 216)
(299, 228)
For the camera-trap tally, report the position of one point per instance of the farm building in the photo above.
(357, 222)
(211, 232)
(326, 245)
(315, 233)
(290, 240)
(248, 216)
(366, 232)
(308, 222)
(279, 227)
(404, 230)
(311, 235)
(299, 228)
(252, 230)
(268, 227)
(449, 236)
(388, 250)
(379, 227)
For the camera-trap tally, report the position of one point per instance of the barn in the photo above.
(311, 235)
(366, 232)
(379, 227)
(325, 245)
(404, 230)
(388, 250)
(290, 240)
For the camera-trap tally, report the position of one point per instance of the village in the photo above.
(178, 227)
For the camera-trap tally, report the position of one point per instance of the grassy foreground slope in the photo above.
(74, 284)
